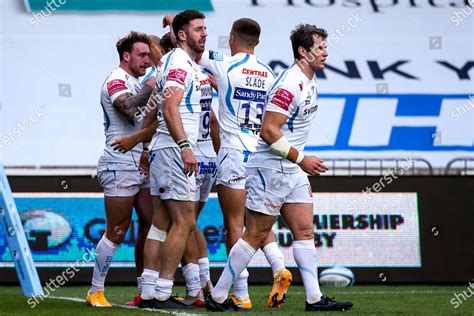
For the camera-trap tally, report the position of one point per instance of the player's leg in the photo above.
(231, 192)
(298, 215)
(258, 226)
(281, 276)
(203, 261)
(204, 183)
(177, 191)
(156, 235)
(189, 263)
(144, 208)
(155, 238)
(119, 191)
(182, 224)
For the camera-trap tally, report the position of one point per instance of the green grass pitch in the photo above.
(368, 300)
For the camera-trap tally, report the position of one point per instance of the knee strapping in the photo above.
(156, 234)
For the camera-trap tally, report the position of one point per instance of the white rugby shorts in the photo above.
(122, 180)
(167, 177)
(231, 165)
(268, 189)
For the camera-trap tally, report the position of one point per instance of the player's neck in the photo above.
(187, 49)
(125, 67)
(305, 69)
(242, 50)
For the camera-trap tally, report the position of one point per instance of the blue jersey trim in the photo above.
(291, 121)
(168, 59)
(266, 66)
(188, 99)
(153, 69)
(229, 86)
(261, 179)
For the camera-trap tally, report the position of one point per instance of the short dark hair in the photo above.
(247, 31)
(183, 18)
(125, 44)
(303, 35)
(165, 42)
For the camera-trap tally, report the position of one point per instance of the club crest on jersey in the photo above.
(282, 99)
(178, 75)
(115, 86)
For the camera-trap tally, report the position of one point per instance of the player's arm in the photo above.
(128, 104)
(279, 145)
(145, 134)
(216, 141)
(172, 97)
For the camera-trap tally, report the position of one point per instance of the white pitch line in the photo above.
(81, 300)
(386, 292)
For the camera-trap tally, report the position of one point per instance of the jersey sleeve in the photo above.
(116, 86)
(178, 74)
(282, 98)
(214, 62)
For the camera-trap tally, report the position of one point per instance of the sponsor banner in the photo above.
(351, 229)
(116, 5)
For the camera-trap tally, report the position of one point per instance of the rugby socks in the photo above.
(149, 278)
(304, 253)
(204, 274)
(163, 289)
(241, 286)
(239, 257)
(274, 257)
(193, 282)
(104, 253)
(139, 285)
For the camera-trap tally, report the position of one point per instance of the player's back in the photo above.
(117, 124)
(243, 81)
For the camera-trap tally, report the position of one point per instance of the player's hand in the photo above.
(168, 20)
(124, 143)
(313, 166)
(190, 163)
(144, 164)
(213, 81)
(151, 82)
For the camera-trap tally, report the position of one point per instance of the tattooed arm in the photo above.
(128, 104)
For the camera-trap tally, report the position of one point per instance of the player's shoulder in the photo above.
(176, 57)
(266, 68)
(118, 73)
(287, 78)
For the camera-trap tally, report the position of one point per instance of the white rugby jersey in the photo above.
(243, 81)
(295, 96)
(179, 70)
(115, 123)
(204, 143)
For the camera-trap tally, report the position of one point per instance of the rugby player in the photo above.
(173, 164)
(277, 174)
(124, 187)
(243, 81)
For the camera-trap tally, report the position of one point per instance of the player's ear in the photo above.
(126, 56)
(301, 51)
(181, 35)
(231, 39)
